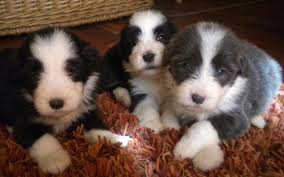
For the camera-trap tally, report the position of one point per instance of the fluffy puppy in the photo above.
(134, 65)
(220, 86)
(49, 85)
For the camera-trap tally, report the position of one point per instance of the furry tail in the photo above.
(282, 73)
(271, 75)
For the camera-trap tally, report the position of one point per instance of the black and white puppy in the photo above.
(134, 65)
(220, 86)
(49, 85)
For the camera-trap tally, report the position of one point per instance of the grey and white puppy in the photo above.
(220, 86)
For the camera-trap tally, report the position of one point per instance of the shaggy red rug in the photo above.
(258, 153)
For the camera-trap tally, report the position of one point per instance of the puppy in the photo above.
(49, 85)
(220, 86)
(134, 65)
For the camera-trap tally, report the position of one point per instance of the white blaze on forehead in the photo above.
(53, 49)
(147, 21)
(211, 36)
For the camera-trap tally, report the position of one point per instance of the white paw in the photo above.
(124, 140)
(154, 124)
(171, 124)
(93, 136)
(258, 121)
(149, 118)
(209, 158)
(50, 155)
(183, 150)
(170, 120)
(196, 137)
(122, 95)
(55, 162)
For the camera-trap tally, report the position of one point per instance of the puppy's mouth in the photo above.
(194, 108)
(150, 67)
(150, 70)
(58, 114)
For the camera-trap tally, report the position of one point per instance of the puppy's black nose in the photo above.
(197, 98)
(56, 103)
(148, 57)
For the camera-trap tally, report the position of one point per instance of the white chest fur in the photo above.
(152, 85)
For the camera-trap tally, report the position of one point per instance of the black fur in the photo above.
(114, 74)
(128, 39)
(90, 120)
(135, 99)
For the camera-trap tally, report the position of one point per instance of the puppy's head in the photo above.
(60, 71)
(205, 67)
(143, 40)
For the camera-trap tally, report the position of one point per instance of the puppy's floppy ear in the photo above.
(92, 57)
(243, 65)
(123, 39)
(128, 39)
(89, 53)
(11, 66)
(171, 26)
(239, 51)
(168, 54)
(166, 57)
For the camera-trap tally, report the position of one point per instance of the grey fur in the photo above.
(263, 74)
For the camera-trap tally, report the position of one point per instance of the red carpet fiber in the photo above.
(258, 153)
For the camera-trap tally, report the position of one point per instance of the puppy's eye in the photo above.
(220, 72)
(130, 42)
(161, 37)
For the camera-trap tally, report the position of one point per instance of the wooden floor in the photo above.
(259, 21)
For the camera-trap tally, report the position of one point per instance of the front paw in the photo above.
(149, 118)
(183, 150)
(209, 158)
(122, 95)
(55, 162)
(94, 135)
(199, 135)
(258, 121)
(154, 124)
(171, 124)
(50, 155)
